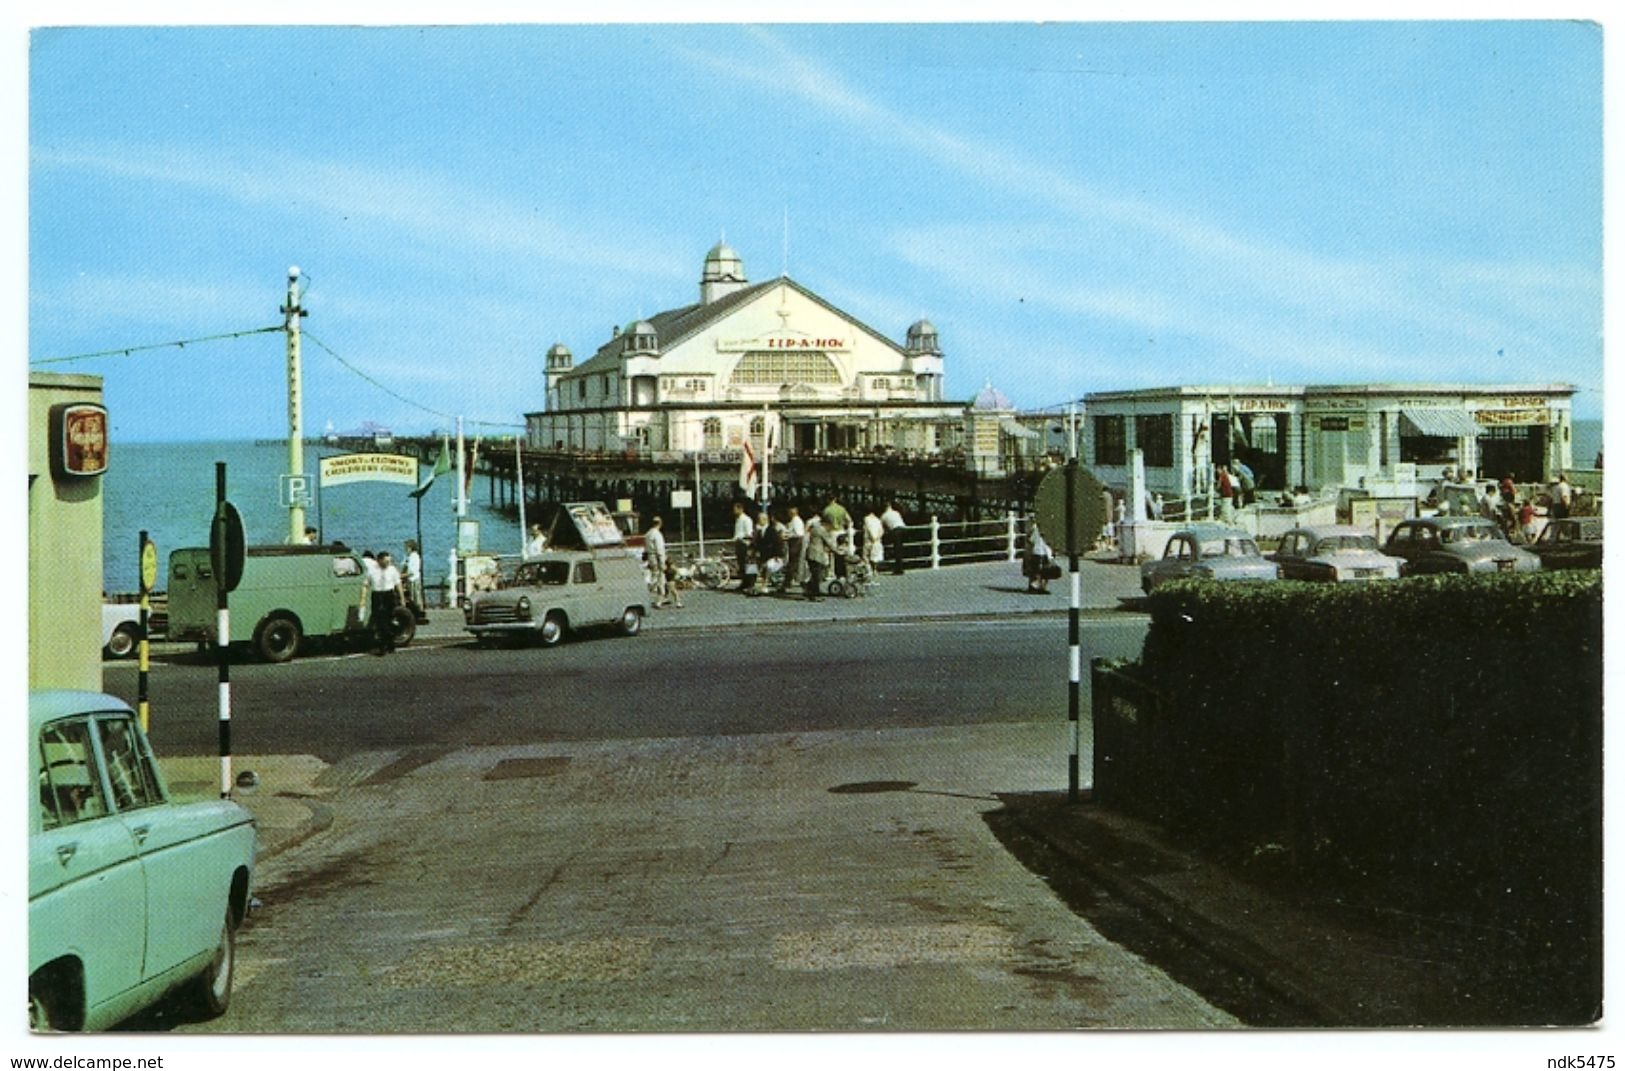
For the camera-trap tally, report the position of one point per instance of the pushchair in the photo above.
(860, 577)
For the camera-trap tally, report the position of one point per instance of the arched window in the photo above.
(713, 433)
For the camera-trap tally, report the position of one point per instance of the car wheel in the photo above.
(631, 621)
(121, 644)
(277, 639)
(211, 989)
(552, 630)
(403, 623)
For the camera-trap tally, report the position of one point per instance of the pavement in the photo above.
(1261, 947)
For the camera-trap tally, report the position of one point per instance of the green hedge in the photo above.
(1436, 738)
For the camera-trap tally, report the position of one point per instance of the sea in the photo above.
(167, 490)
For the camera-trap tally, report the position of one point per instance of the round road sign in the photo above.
(149, 565)
(1088, 511)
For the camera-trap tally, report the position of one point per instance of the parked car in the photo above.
(131, 895)
(287, 595)
(1446, 544)
(121, 629)
(1570, 543)
(1213, 551)
(1337, 553)
(586, 577)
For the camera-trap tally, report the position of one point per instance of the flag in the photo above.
(442, 465)
(747, 469)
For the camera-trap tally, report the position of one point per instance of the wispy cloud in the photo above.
(418, 206)
(1305, 303)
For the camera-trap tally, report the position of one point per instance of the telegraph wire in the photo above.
(179, 344)
(396, 394)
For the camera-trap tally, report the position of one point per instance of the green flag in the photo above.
(442, 465)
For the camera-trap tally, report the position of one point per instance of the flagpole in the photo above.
(462, 510)
(519, 478)
(699, 503)
(767, 448)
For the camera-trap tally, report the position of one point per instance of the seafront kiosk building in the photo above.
(1382, 439)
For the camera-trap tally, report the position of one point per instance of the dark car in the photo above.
(1571, 543)
(1210, 551)
(1447, 544)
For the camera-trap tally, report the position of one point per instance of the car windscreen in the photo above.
(542, 573)
(1229, 548)
(1345, 543)
(1469, 533)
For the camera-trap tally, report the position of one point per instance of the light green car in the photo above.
(131, 896)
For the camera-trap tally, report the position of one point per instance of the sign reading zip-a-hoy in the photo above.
(354, 468)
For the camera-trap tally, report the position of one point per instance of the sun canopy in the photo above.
(1441, 423)
(1010, 427)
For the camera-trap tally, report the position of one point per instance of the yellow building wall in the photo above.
(64, 549)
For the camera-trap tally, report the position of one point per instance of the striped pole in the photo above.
(222, 628)
(142, 552)
(1074, 655)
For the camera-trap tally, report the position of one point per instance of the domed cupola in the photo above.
(922, 339)
(640, 338)
(991, 399)
(559, 358)
(723, 273)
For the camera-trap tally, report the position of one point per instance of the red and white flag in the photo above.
(748, 471)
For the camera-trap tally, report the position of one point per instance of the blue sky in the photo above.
(1077, 207)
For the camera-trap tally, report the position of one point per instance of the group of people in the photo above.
(778, 548)
(1517, 516)
(1236, 486)
(388, 586)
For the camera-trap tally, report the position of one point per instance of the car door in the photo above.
(188, 877)
(1290, 555)
(589, 594)
(86, 883)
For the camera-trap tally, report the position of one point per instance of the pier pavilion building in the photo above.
(768, 362)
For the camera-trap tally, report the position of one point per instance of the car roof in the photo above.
(1448, 521)
(49, 705)
(1213, 531)
(1325, 531)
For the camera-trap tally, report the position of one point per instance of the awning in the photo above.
(1440, 423)
(1010, 427)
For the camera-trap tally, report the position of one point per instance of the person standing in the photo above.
(386, 595)
(654, 551)
(795, 544)
(744, 531)
(820, 553)
(412, 575)
(1227, 493)
(537, 542)
(1562, 496)
(893, 520)
(310, 537)
(874, 539)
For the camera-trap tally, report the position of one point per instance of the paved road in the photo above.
(738, 830)
(872, 675)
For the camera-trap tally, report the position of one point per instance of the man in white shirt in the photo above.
(744, 532)
(385, 581)
(654, 553)
(538, 542)
(412, 575)
(795, 547)
(894, 523)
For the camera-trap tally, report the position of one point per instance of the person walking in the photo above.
(820, 553)
(385, 579)
(894, 523)
(660, 571)
(744, 532)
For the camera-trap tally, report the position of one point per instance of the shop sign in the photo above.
(1335, 405)
(1513, 417)
(783, 343)
(1263, 405)
(1523, 401)
(78, 439)
(1334, 423)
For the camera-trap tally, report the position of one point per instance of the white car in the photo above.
(121, 629)
(1337, 553)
